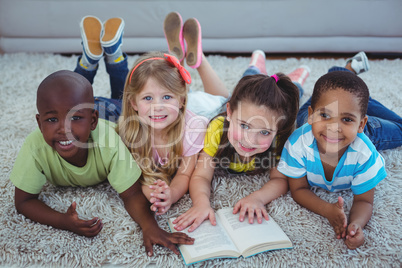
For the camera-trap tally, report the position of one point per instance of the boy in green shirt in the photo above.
(73, 148)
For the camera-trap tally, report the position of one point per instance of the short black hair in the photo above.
(347, 81)
(63, 80)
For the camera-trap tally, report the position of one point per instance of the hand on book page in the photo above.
(194, 217)
(251, 205)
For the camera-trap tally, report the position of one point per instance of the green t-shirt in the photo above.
(108, 158)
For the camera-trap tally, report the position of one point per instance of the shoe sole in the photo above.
(112, 30)
(192, 35)
(91, 32)
(173, 29)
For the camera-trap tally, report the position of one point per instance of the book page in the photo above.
(246, 235)
(210, 241)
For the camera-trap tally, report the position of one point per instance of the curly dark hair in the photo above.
(347, 81)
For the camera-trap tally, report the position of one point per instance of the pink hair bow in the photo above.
(183, 72)
(170, 58)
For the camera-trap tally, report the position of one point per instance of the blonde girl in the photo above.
(162, 135)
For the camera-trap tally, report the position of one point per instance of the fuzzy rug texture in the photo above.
(26, 243)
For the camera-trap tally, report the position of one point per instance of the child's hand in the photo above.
(355, 236)
(250, 205)
(155, 235)
(337, 218)
(87, 228)
(194, 217)
(161, 197)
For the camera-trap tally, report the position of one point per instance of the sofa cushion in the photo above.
(227, 25)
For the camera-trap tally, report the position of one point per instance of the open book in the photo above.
(231, 238)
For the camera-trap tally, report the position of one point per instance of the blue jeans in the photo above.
(109, 109)
(384, 127)
(117, 75)
(254, 70)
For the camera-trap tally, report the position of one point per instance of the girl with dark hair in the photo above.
(249, 137)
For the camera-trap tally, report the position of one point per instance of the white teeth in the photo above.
(244, 146)
(158, 117)
(65, 142)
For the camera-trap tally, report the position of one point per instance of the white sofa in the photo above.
(228, 26)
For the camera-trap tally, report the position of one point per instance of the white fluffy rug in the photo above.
(25, 243)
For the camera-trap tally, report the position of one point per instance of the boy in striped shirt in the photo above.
(331, 151)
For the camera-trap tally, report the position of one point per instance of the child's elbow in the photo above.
(21, 198)
(19, 206)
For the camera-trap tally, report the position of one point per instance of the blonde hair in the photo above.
(137, 135)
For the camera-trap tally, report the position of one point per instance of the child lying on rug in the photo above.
(384, 127)
(260, 109)
(333, 152)
(73, 148)
(167, 156)
(163, 135)
(156, 85)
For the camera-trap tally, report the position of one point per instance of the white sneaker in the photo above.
(360, 63)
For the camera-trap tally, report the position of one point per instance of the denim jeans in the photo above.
(117, 75)
(384, 127)
(254, 70)
(109, 109)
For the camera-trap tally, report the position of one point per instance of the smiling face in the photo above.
(251, 129)
(156, 106)
(66, 117)
(336, 120)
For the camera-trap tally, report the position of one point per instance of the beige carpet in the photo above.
(25, 243)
